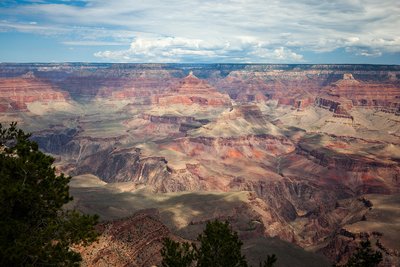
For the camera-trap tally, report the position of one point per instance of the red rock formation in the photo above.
(16, 93)
(297, 89)
(302, 103)
(384, 96)
(192, 90)
(137, 91)
(333, 104)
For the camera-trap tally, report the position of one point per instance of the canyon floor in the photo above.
(302, 160)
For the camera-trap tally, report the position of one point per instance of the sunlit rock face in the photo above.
(349, 92)
(134, 241)
(192, 90)
(18, 92)
(306, 141)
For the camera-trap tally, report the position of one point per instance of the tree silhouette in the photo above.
(176, 254)
(365, 256)
(35, 230)
(219, 246)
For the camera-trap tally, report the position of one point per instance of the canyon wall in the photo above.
(303, 139)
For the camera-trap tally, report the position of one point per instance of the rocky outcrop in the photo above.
(287, 201)
(352, 163)
(123, 165)
(134, 241)
(236, 147)
(192, 90)
(364, 94)
(333, 105)
(373, 217)
(17, 93)
(58, 141)
(360, 174)
(303, 103)
(184, 123)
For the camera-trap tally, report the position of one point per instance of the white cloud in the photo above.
(177, 49)
(286, 54)
(159, 50)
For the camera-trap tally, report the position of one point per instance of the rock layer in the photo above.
(17, 93)
(192, 90)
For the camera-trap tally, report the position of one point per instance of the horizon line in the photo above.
(193, 63)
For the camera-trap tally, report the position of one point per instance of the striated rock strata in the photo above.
(17, 93)
(192, 90)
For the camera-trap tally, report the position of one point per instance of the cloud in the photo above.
(162, 49)
(31, 28)
(280, 54)
(362, 51)
(216, 30)
(177, 49)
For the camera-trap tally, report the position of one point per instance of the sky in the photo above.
(201, 31)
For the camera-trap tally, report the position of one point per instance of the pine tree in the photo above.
(34, 229)
(219, 247)
(176, 254)
(365, 256)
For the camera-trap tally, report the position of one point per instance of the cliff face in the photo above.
(301, 138)
(348, 92)
(123, 166)
(192, 90)
(17, 93)
(370, 208)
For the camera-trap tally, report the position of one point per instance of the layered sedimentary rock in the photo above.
(17, 93)
(134, 241)
(241, 90)
(142, 90)
(183, 123)
(349, 92)
(192, 90)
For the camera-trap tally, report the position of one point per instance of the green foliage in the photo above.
(176, 254)
(219, 246)
(365, 256)
(35, 230)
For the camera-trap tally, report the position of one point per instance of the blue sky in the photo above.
(205, 31)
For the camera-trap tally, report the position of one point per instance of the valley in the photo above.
(288, 154)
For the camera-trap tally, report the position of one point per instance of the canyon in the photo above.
(298, 158)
